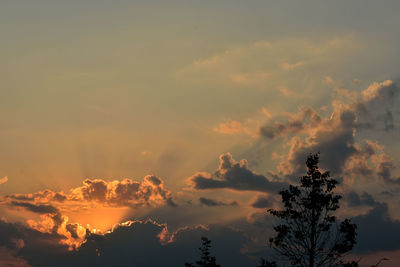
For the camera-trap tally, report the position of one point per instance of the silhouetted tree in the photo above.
(206, 260)
(379, 262)
(265, 263)
(355, 263)
(308, 234)
(350, 264)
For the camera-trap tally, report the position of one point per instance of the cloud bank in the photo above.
(233, 175)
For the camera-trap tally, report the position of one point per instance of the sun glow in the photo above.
(102, 219)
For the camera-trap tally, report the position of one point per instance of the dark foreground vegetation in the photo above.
(308, 233)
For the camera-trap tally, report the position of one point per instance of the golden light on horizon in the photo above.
(100, 218)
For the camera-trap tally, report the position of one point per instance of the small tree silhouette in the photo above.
(206, 260)
(355, 263)
(308, 233)
(265, 263)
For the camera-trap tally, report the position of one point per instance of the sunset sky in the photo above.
(152, 123)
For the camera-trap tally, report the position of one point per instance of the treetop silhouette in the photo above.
(308, 233)
(206, 260)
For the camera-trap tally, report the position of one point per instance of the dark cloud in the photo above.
(387, 193)
(233, 175)
(377, 231)
(268, 131)
(335, 141)
(385, 168)
(42, 209)
(8, 258)
(94, 193)
(31, 246)
(388, 120)
(299, 122)
(134, 243)
(41, 196)
(354, 199)
(51, 213)
(378, 105)
(262, 202)
(227, 244)
(49, 243)
(214, 203)
(335, 137)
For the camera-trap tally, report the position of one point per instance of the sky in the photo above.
(130, 129)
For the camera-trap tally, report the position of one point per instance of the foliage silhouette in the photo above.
(350, 264)
(206, 260)
(355, 263)
(265, 263)
(308, 234)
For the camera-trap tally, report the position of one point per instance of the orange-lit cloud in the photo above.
(287, 66)
(374, 90)
(117, 193)
(230, 127)
(290, 93)
(86, 205)
(149, 192)
(335, 135)
(248, 127)
(3, 180)
(306, 119)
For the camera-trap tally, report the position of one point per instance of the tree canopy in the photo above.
(206, 260)
(307, 231)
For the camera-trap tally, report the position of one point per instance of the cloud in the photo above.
(376, 90)
(51, 221)
(268, 64)
(42, 209)
(297, 123)
(230, 127)
(385, 168)
(251, 78)
(328, 79)
(359, 166)
(55, 208)
(335, 136)
(117, 193)
(8, 258)
(376, 230)
(262, 202)
(214, 203)
(388, 120)
(3, 180)
(247, 127)
(290, 93)
(233, 175)
(28, 246)
(355, 200)
(123, 193)
(41, 196)
(309, 130)
(287, 66)
(132, 243)
(377, 105)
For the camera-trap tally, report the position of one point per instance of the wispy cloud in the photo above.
(230, 127)
(3, 180)
(287, 66)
